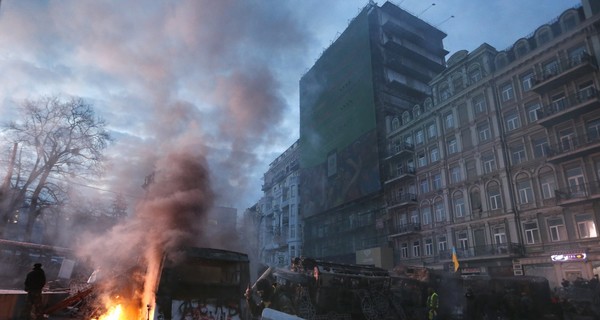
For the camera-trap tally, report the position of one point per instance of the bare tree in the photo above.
(57, 138)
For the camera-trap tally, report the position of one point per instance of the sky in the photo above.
(219, 77)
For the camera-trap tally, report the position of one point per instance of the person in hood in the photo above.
(34, 283)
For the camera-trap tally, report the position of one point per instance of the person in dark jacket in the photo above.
(269, 298)
(35, 281)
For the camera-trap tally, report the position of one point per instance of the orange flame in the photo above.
(113, 313)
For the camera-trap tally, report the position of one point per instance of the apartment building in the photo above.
(502, 162)
(278, 221)
(379, 65)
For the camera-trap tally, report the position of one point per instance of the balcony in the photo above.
(400, 149)
(577, 193)
(503, 250)
(571, 148)
(568, 108)
(402, 200)
(404, 229)
(566, 70)
(400, 174)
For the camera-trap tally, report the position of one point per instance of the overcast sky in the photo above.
(220, 76)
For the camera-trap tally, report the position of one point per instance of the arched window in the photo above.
(428, 104)
(543, 35)
(395, 123)
(524, 189)
(569, 20)
(475, 199)
(416, 111)
(494, 196)
(521, 48)
(405, 117)
(458, 204)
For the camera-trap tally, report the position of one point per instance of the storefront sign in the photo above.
(568, 257)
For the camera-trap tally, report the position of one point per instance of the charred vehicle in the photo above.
(203, 283)
(327, 290)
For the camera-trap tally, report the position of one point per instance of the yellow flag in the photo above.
(455, 259)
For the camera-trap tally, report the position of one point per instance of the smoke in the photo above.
(171, 215)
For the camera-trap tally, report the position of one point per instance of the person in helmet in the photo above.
(270, 297)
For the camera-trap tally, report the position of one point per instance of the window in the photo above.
(455, 176)
(479, 105)
(499, 235)
(440, 211)
(512, 120)
(522, 48)
(444, 92)
(547, 185)
(471, 169)
(428, 247)
(532, 111)
(474, 75)
(437, 181)
(404, 250)
(568, 140)
(525, 191)
(426, 212)
(569, 21)
(559, 102)
(494, 196)
(449, 120)
(475, 199)
(507, 92)
(593, 130)
(532, 233)
(543, 37)
(586, 91)
(540, 147)
(409, 140)
(576, 181)
(416, 111)
(405, 117)
(463, 240)
(414, 217)
(421, 159)
(550, 69)
(452, 145)
(459, 205)
(424, 185)
(576, 55)
(442, 244)
(395, 124)
(527, 81)
(457, 82)
(416, 249)
(419, 137)
(432, 130)
(518, 154)
(484, 131)
(557, 229)
(489, 162)
(586, 226)
(435, 154)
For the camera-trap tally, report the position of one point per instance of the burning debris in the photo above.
(131, 255)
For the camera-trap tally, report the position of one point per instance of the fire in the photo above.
(113, 313)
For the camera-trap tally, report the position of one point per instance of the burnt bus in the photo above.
(203, 283)
(334, 291)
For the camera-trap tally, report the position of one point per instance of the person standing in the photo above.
(433, 304)
(34, 282)
(270, 297)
